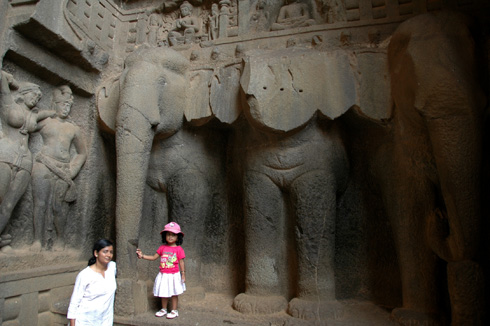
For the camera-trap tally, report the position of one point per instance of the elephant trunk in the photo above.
(452, 106)
(134, 137)
(457, 156)
(152, 102)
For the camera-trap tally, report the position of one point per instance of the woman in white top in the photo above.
(92, 301)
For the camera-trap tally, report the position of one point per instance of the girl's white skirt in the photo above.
(168, 285)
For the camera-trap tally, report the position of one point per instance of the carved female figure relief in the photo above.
(19, 117)
(153, 29)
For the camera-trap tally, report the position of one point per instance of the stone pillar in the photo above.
(223, 18)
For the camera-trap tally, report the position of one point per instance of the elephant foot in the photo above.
(315, 310)
(254, 304)
(58, 246)
(7, 250)
(5, 240)
(36, 246)
(407, 317)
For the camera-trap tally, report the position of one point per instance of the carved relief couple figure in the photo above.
(19, 117)
(53, 169)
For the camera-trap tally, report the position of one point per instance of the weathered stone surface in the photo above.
(226, 97)
(374, 85)
(301, 202)
(199, 110)
(285, 88)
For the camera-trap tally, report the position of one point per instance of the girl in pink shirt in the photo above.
(170, 282)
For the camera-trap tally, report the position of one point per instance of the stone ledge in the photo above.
(41, 271)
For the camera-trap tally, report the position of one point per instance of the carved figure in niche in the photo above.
(153, 147)
(154, 29)
(213, 21)
(293, 14)
(295, 167)
(54, 170)
(233, 14)
(19, 117)
(334, 11)
(260, 19)
(433, 195)
(186, 27)
(225, 7)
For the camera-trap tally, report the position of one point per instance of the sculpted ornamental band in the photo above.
(324, 158)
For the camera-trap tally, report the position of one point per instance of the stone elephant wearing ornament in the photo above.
(433, 193)
(145, 109)
(294, 167)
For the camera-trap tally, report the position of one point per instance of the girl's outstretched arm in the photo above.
(147, 257)
(182, 269)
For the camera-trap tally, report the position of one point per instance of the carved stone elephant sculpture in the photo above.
(433, 194)
(295, 166)
(145, 108)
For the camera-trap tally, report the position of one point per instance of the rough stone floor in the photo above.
(216, 309)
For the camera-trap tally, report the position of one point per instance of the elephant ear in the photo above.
(107, 102)
(225, 93)
(198, 110)
(214, 93)
(374, 90)
(286, 88)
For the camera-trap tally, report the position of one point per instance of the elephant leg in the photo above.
(189, 199)
(456, 145)
(314, 198)
(467, 293)
(410, 200)
(264, 257)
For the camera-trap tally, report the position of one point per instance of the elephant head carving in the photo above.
(146, 102)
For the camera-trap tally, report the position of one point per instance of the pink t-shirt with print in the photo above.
(169, 258)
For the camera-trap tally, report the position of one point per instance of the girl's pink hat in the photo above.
(172, 227)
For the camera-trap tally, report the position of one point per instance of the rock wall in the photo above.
(314, 152)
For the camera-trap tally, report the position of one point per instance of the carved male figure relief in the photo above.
(185, 27)
(213, 21)
(293, 14)
(54, 170)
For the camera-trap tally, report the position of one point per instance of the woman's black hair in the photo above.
(180, 238)
(99, 244)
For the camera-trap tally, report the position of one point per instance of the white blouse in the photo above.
(92, 301)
